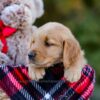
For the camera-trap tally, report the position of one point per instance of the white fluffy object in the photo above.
(20, 14)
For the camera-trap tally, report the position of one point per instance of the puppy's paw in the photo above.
(72, 74)
(36, 73)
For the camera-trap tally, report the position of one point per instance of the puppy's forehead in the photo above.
(54, 28)
(51, 28)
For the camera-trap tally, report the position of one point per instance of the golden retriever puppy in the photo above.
(51, 44)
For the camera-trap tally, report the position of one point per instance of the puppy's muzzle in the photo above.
(32, 55)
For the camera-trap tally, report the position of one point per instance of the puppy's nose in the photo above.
(32, 55)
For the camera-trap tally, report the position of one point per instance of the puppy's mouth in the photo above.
(33, 62)
(45, 64)
(40, 64)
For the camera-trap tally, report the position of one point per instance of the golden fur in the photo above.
(54, 43)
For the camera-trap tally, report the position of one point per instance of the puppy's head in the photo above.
(53, 43)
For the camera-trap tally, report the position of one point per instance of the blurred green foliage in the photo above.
(83, 18)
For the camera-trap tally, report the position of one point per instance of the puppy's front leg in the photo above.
(72, 74)
(36, 73)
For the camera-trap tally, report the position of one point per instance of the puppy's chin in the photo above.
(35, 64)
(43, 64)
(39, 64)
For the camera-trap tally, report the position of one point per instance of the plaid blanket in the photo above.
(18, 86)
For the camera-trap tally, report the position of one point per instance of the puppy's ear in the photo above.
(71, 52)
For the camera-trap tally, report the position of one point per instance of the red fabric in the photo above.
(5, 31)
(16, 83)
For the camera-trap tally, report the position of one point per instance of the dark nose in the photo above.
(32, 55)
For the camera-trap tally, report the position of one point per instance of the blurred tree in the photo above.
(89, 3)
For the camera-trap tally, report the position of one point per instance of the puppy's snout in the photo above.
(32, 55)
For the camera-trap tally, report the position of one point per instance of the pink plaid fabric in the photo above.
(18, 86)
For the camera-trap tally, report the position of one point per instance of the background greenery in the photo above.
(83, 18)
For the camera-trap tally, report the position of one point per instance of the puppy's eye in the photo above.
(49, 44)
